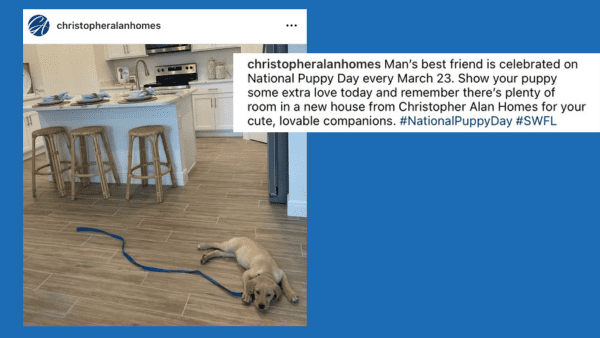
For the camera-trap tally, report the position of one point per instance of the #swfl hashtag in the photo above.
(403, 120)
(519, 120)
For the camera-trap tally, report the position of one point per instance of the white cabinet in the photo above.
(213, 111)
(136, 50)
(114, 52)
(204, 116)
(224, 111)
(201, 47)
(252, 48)
(31, 122)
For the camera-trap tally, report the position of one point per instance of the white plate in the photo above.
(26, 82)
(96, 99)
(147, 97)
(42, 103)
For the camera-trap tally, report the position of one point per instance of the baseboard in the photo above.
(217, 133)
(297, 208)
(186, 173)
(38, 150)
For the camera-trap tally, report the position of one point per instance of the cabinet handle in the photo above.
(215, 102)
(124, 51)
(30, 121)
(211, 103)
(127, 49)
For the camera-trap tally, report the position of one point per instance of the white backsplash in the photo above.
(200, 58)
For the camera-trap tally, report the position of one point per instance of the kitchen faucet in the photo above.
(137, 76)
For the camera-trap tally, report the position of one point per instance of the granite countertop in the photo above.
(118, 86)
(162, 100)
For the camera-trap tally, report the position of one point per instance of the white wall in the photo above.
(104, 71)
(68, 68)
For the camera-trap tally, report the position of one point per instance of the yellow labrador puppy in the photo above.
(262, 275)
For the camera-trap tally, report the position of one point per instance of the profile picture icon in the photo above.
(39, 25)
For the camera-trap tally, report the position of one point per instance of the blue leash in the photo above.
(149, 268)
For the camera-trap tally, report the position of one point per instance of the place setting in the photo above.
(89, 99)
(59, 99)
(135, 96)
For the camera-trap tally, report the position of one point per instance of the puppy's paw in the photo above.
(292, 297)
(246, 298)
(204, 259)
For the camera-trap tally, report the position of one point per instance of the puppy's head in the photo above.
(265, 290)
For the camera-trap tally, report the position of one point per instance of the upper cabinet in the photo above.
(197, 47)
(252, 48)
(114, 52)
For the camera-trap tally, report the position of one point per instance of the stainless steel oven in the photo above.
(157, 49)
(173, 77)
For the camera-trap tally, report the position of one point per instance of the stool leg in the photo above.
(131, 139)
(100, 164)
(111, 160)
(73, 168)
(143, 159)
(50, 161)
(33, 165)
(57, 167)
(157, 173)
(169, 162)
(68, 141)
(83, 152)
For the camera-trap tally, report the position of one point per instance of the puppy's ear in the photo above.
(277, 291)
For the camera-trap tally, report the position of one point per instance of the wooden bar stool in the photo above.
(55, 163)
(95, 133)
(153, 133)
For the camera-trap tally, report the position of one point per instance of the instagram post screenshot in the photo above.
(142, 204)
(452, 150)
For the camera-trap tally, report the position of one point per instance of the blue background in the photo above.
(416, 235)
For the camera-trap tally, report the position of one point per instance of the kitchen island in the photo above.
(173, 111)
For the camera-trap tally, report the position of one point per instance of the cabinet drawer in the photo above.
(213, 88)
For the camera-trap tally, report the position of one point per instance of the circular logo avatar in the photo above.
(39, 25)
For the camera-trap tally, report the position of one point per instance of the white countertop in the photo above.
(162, 100)
(125, 86)
(210, 81)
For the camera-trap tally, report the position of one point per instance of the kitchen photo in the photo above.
(142, 206)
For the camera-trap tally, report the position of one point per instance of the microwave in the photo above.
(157, 49)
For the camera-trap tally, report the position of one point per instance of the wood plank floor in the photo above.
(74, 279)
